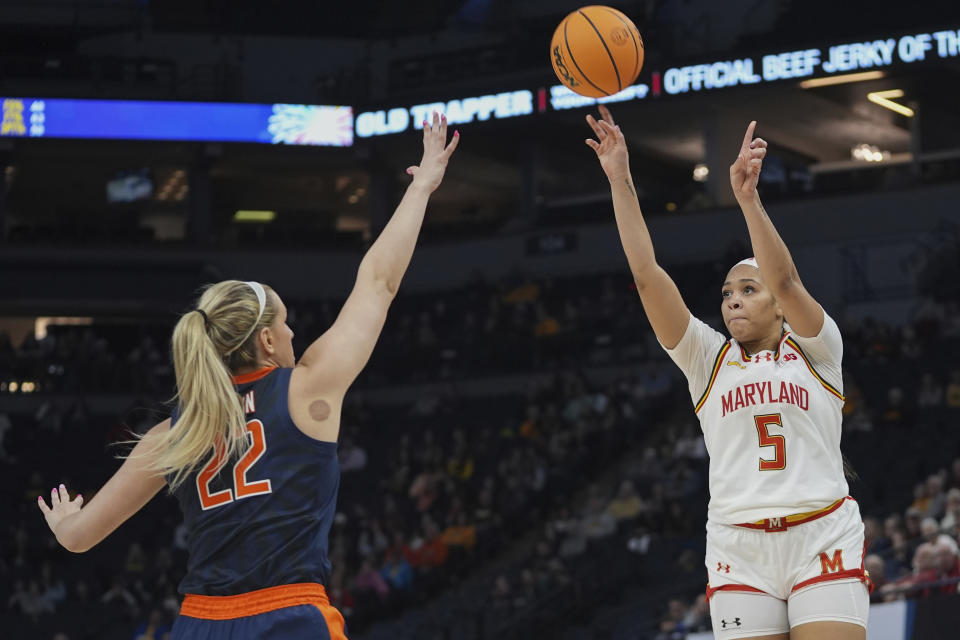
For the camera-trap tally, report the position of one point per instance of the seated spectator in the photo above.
(698, 615)
(690, 445)
(424, 490)
(371, 580)
(948, 565)
(853, 398)
(118, 593)
(372, 541)
(5, 425)
(671, 626)
(874, 539)
(920, 504)
(153, 629)
(461, 534)
(895, 412)
(859, 421)
(954, 478)
(52, 588)
(28, 600)
(598, 523)
(136, 559)
(340, 597)
(427, 550)
(460, 465)
(874, 566)
(930, 393)
(898, 562)
(352, 456)
(930, 530)
(910, 347)
(951, 516)
(547, 325)
(938, 499)
(501, 597)
(397, 571)
(627, 505)
(925, 570)
(952, 395)
(529, 428)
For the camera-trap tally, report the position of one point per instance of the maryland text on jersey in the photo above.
(764, 391)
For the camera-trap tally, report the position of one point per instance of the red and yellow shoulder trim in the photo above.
(826, 385)
(713, 375)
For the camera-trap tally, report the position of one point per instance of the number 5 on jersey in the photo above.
(776, 441)
(243, 488)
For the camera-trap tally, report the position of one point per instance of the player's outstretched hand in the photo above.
(745, 170)
(60, 507)
(436, 153)
(611, 147)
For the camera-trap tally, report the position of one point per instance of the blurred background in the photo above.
(520, 459)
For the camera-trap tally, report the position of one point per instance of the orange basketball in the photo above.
(596, 51)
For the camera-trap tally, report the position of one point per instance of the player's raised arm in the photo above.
(780, 274)
(661, 299)
(338, 356)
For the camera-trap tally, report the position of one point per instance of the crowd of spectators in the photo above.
(603, 466)
(515, 326)
(428, 488)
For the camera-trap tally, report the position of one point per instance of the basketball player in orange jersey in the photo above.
(784, 541)
(250, 451)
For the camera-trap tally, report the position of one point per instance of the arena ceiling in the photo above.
(814, 127)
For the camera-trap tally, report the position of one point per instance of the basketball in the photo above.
(596, 51)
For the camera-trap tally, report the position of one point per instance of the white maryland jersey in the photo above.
(771, 421)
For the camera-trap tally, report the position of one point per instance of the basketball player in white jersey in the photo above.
(784, 541)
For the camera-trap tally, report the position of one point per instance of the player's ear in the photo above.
(266, 341)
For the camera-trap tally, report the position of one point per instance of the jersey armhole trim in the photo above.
(713, 375)
(323, 448)
(826, 385)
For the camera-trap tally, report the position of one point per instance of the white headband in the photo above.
(261, 298)
(748, 261)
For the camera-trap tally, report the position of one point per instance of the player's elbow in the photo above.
(646, 275)
(378, 279)
(74, 543)
(74, 539)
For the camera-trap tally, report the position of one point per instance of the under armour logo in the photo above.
(736, 621)
(723, 568)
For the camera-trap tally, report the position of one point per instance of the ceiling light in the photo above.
(701, 172)
(882, 98)
(869, 153)
(251, 215)
(844, 79)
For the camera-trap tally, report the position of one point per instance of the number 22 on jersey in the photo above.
(778, 443)
(242, 487)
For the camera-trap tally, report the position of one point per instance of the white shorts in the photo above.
(792, 568)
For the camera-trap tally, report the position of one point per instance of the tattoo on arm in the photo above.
(630, 187)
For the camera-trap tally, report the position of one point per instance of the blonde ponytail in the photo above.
(209, 343)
